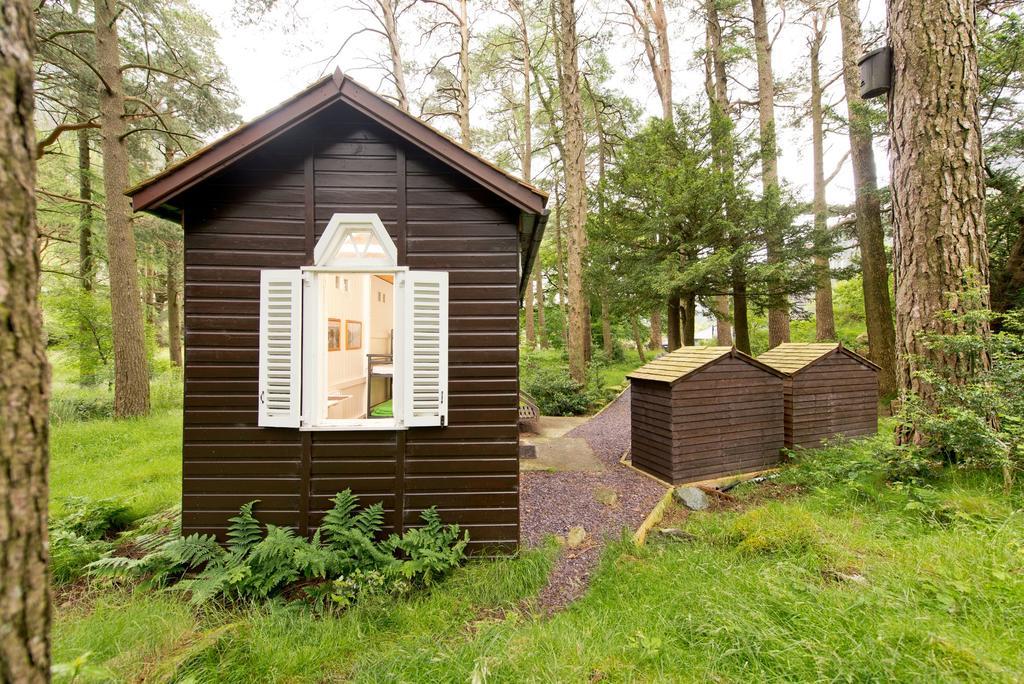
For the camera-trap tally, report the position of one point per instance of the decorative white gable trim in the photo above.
(343, 244)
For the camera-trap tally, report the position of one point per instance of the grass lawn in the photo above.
(830, 575)
(138, 461)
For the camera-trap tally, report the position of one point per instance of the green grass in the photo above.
(137, 460)
(846, 579)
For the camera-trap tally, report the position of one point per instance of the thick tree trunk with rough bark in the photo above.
(689, 315)
(131, 374)
(778, 309)
(24, 380)
(173, 305)
(824, 316)
(739, 313)
(575, 186)
(870, 235)
(937, 180)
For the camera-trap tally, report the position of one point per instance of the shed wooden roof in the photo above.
(682, 362)
(793, 357)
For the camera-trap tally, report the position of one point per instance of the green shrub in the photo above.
(92, 518)
(259, 563)
(556, 393)
(71, 554)
(75, 404)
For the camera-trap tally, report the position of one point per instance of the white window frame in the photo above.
(420, 342)
(314, 335)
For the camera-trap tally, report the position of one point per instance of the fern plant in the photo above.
(261, 561)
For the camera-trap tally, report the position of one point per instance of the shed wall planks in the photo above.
(724, 418)
(837, 395)
(255, 215)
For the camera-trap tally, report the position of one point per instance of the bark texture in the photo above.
(655, 341)
(24, 382)
(824, 316)
(937, 178)
(778, 309)
(131, 374)
(870, 236)
(86, 266)
(463, 96)
(651, 25)
(575, 186)
(173, 303)
(539, 284)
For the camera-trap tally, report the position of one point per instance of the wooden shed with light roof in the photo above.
(704, 412)
(829, 390)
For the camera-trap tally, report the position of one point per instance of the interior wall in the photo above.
(382, 314)
(346, 368)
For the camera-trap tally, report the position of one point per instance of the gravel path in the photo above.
(552, 503)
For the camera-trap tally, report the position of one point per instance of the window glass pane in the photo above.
(358, 318)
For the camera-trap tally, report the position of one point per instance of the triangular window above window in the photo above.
(355, 241)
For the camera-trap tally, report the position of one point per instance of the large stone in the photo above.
(692, 498)
(606, 495)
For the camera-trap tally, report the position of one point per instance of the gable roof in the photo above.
(156, 193)
(793, 357)
(684, 361)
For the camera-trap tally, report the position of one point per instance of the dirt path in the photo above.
(603, 503)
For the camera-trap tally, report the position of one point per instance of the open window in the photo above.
(354, 341)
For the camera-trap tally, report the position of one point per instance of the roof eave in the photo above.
(152, 193)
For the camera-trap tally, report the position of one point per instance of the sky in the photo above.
(271, 61)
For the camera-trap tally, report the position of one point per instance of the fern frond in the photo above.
(115, 566)
(369, 521)
(338, 520)
(244, 531)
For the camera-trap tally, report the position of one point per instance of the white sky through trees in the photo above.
(288, 50)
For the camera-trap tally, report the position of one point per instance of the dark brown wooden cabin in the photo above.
(256, 205)
(829, 390)
(704, 412)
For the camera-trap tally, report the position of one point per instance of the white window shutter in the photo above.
(280, 348)
(425, 337)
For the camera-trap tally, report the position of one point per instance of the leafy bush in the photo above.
(259, 563)
(977, 422)
(556, 393)
(93, 518)
(74, 404)
(71, 554)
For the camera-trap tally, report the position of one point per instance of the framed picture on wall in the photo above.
(353, 334)
(333, 334)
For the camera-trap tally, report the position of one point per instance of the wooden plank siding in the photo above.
(724, 418)
(836, 395)
(267, 211)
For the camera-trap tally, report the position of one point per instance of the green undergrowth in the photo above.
(829, 571)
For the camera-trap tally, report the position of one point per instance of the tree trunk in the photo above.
(739, 312)
(672, 319)
(131, 375)
(86, 267)
(824, 317)
(575, 186)
(560, 288)
(531, 339)
(723, 331)
(390, 22)
(870, 236)
(651, 24)
(606, 329)
(778, 308)
(464, 129)
(173, 310)
(689, 319)
(24, 382)
(541, 334)
(938, 184)
(638, 339)
(716, 86)
(655, 341)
